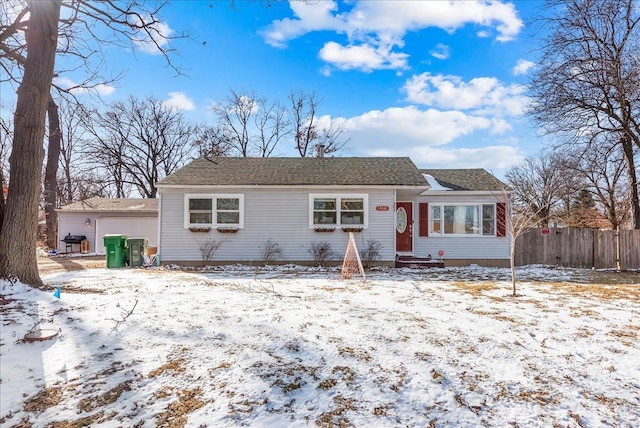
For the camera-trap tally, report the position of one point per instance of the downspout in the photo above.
(158, 253)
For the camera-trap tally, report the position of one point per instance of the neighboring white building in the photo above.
(240, 204)
(96, 217)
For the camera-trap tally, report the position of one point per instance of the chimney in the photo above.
(320, 150)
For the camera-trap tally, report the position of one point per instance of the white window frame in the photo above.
(478, 205)
(338, 197)
(214, 209)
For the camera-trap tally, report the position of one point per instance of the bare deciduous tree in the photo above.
(6, 135)
(249, 124)
(303, 118)
(539, 185)
(73, 180)
(139, 142)
(603, 171)
(51, 173)
(19, 226)
(586, 87)
(331, 136)
(29, 35)
(515, 219)
(309, 131)
(211, 141)
(272, 126)
(235, 116)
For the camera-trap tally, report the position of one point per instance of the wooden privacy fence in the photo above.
(574, 247)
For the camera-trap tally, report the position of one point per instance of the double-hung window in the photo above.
(214, 210)
(338, 210)
(461, 219)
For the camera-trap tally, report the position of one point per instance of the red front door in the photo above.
(404, 227)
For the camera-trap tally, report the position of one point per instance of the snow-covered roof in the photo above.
(476, 179)
(113, 204)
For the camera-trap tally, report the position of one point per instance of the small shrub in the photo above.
(321, 252)
(208, 249)
(270, 251)
(371, 252)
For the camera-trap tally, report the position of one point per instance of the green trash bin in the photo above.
(136, 247)
(115, 249)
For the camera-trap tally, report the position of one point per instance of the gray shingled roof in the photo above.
(277, 171)
(466, 179)
(113, 204)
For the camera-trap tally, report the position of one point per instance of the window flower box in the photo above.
(200, 229)
(355, 229)
(227, 229)
(323, 229)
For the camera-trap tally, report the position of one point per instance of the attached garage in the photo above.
(96, 217)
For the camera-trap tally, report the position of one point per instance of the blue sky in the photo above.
(441, 82)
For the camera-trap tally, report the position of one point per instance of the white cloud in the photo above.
(482, 95)
(103, 89)
(380, 26)
(179, 101)
(522, 67)
(441, 51)
(426, 134)
(316, 16)
(158, 37)
(489, 157)
(365, 57)
(414, 127)
(99, 89)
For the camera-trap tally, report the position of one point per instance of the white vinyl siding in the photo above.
(76, 224)
(133, 227)
(282, 215)
(143, 225)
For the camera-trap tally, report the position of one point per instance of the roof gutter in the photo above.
(287, 186)
(89, 210)
(466, 192)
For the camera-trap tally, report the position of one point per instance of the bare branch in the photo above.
(586, 88)
(124, 314)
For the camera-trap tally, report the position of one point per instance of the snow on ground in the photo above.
(293, 347)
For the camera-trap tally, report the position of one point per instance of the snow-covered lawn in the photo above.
(293, 347)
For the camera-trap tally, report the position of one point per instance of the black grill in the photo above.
(70, 239)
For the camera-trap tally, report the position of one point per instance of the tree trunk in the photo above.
(1, 199)
(51, 173)
(627, 148)
(19, 229)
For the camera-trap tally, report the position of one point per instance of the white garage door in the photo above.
(133, 227)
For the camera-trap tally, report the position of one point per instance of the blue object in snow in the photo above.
(56, 293)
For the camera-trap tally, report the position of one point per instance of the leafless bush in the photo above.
(208, 249)
(371, 252)
(270, 251)
(321, 252)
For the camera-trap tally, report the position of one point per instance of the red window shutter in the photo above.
(423, 219)
(501, 219)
